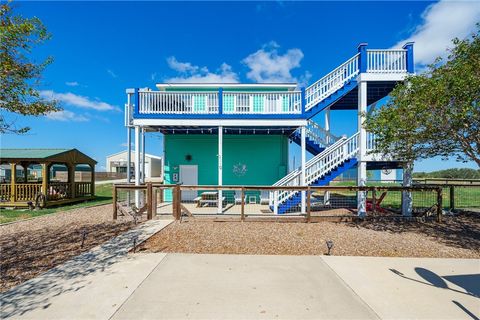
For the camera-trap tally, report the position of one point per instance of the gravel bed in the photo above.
(456, 237)
(31, 247)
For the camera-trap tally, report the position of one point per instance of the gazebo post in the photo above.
(13, 175)
(45, 180)
(25, 171)
(92, 188)
(71, 179)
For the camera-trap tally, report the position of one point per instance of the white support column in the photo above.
(220, 164)
(137, 166)
(304, 159)
(143, 155)
(362, 149)
(129, 155)
(327, 125)
(326, 195)
(128, 108)
(407, 200)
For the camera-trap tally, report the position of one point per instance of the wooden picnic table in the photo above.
(208, 198)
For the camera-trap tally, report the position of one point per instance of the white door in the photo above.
(188, 176)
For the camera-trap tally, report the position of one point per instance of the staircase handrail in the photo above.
(332, 156)
(351, 68)
(294, 173)
(326, 137)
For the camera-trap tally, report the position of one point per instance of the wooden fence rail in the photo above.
(149, 194)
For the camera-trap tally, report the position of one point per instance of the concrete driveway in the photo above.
(191, 286)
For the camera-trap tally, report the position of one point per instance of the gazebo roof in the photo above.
(72, 156)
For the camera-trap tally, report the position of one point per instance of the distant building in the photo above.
(117, 163)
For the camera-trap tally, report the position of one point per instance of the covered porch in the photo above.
(45, 177)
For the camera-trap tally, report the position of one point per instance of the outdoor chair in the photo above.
(378, 203)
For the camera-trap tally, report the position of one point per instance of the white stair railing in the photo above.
(331, 82)
(319, 135)
(333, 156)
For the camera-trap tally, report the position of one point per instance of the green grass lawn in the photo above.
(465, 197)
(103, 194)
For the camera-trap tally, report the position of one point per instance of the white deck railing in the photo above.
(160, 102)
(262, 102)
(387, 61)
(331, 82)
(377, 61)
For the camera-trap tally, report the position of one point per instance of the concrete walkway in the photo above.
(190, 286)
(89, 286)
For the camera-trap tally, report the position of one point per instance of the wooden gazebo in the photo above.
(45, 177)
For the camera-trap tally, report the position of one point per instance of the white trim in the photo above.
(381, 77)
(226, 85)
(221, 122)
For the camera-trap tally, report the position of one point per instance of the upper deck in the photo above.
(174, 103)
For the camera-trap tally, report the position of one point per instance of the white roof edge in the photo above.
(133, 151)
(225, 85)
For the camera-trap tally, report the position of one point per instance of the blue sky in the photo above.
(102, 48)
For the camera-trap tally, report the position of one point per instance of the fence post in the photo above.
(178, 211)
(439, 205)
(114, 195)
(242, 212)
(374, 200)
(309, 193)
(174, 203)
(149, 201)
(452, 198)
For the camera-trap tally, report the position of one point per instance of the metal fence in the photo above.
(259, 202)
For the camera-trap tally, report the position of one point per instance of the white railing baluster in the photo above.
(387, 61)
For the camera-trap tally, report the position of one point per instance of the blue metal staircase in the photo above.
(320, 170)
(293, 202)
(316, 139)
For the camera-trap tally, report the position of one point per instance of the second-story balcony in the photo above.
(212, 103)
(383, 68)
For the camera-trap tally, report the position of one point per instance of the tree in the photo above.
(436, 113)
(19, 76)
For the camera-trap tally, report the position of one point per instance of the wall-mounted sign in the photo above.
(239, 169)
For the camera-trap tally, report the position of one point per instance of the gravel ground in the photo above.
(31, 247)
(457, 237)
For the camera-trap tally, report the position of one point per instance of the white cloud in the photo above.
(113, 74)
(65, 115)
(442, 22)
(267, 65)
(190, 73)
(78, 101)
(72, 83)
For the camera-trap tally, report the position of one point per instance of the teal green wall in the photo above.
(265, 157)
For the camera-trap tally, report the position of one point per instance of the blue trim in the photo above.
(410, 62)
(311, 146)
(331, 99)
(220, 100)
(218, 116)
(362, 62)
